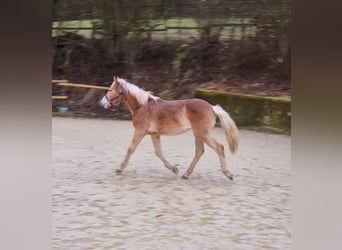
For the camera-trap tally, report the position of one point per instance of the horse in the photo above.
(154, 116)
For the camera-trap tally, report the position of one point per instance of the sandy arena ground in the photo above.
(149, 207)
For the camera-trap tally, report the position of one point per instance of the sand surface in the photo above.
(149, 207)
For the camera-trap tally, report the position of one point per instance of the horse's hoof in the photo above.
(228, 175)
(175, 170)
(185, 177)
(118, 171)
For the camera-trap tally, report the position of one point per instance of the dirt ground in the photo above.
(148, 207)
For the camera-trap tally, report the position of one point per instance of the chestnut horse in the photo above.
(154, 116)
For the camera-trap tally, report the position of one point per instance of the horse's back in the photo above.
(199, 107)
(193, 107)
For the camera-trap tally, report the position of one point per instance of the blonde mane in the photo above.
(140, 94)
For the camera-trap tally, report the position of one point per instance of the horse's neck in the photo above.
(131, 102)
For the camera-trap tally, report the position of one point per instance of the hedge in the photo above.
(250, 111)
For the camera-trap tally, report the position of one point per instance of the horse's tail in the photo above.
(229, 127)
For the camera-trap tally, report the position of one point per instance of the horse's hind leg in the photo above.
(159, 153)
(199, 152)
(138, 136)
(219, 149)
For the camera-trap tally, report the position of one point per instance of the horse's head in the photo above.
(113, 95)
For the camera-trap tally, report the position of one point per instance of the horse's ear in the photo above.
(115, 79)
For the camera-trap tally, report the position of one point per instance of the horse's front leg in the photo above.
(159, 153)
(138, 136)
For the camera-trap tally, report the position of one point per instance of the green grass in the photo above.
(85, 27)
(75, 24)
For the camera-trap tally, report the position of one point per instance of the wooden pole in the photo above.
(67, 84)
(58, 81)
(59, 97)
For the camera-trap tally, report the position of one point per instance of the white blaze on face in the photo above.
(104, 102)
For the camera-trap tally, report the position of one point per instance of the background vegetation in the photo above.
(173, 46)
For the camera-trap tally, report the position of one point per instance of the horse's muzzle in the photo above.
(103, 102)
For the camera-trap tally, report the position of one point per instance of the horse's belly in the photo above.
(174, 130)
(169, 128)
